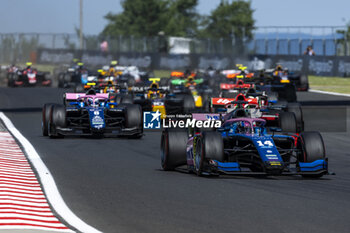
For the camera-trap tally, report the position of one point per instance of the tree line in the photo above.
(147, 18)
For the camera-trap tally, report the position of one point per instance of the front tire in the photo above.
(312, 146)
(209, 146)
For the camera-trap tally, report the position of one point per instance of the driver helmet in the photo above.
(154, 86)
(113, 63)
(279, 67)
(29, 65)
(187, 72)
(80, 65)
(152, 94)
(89, 102)
(96, 103)
(244, 127)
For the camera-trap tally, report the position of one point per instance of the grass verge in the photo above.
(332, 84)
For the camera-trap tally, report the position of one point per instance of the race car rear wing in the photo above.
(75, 96)
(205, 116)
(146, 88)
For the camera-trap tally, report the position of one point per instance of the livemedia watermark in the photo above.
(153, 120)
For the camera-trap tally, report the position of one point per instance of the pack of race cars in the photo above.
(262, 126)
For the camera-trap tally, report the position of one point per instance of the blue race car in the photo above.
(243, 146)
(92, 114)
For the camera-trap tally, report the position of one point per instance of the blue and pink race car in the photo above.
(243, 145)
(91, 114)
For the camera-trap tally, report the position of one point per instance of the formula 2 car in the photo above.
(156, 98)
(28, 77)
(243, 146)
(91, 114)
(288, 116)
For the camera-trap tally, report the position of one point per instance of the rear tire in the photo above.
(287, 122)
(131, 81)
(173, 149)
(164, 82)
(133, 119)
(127, 99)
(290, 93)
(118, 98)
(57, 119)
(11, 80)
(296, 109)
(79, 88)
(61, 80)
(205, 102)
(46, 114)
(188, 103)
(304, 82)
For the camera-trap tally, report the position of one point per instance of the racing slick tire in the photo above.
(131, 81)
(61, 80)
(46, 114)
(57, 119)
(11, 80)
(79, 88)
(118, 98)
(209, 146)
(304, 82)
(287, 122)
(133, 119)
(296, 109)
(164, 82)
(290, 93)
(173, 148)
(312, 146)
(127, 99)
(205, 102)
(281, 103)
(188, 103)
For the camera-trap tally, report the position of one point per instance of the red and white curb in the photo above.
(23, 204)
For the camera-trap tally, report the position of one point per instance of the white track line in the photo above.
(329, 93)
(47, 181)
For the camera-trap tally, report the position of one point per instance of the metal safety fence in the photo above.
(19, 47)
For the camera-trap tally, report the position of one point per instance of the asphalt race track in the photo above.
(116, 185)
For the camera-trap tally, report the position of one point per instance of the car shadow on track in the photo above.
(249, 177)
